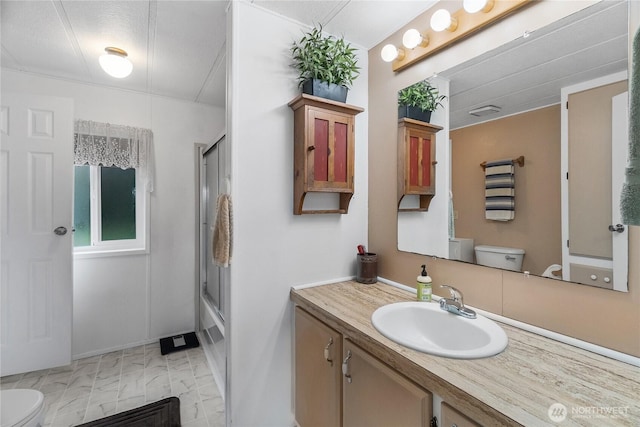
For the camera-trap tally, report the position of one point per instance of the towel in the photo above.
(630, 196)
(222, 242)
(499, 190)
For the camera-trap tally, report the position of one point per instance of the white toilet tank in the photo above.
(500, 257)
(21, 408)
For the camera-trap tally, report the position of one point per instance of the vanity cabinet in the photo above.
(324, 150)
(453, 418)
(416, 161)
(374, 395)
(318, 382)
(353, 390)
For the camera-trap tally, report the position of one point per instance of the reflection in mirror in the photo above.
(517, 95)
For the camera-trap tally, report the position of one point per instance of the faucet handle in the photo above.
(455, 293)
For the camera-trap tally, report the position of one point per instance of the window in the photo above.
(110, 202)
(108, 213)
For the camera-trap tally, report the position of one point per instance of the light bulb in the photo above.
(115, 62)
(390, 52)
(412, 38)
(442, 20)
(473, 6)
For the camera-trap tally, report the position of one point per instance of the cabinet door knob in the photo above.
(311, 147)
(326, 352)
(345, 367)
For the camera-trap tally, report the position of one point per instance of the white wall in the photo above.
(428, 232)
(124, 300)
(273, 249)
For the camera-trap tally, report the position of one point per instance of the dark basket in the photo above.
(413, 113)
(325, 90)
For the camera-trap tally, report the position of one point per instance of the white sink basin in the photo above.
(425, 327)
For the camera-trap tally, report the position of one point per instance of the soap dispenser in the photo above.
(424, 285)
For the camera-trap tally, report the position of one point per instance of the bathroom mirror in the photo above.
(527, 80)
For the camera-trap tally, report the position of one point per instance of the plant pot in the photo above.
(413, 113)
(326, 90)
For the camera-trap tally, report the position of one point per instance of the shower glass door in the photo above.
(212, 290)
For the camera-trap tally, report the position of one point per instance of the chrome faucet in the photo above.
(455, 304)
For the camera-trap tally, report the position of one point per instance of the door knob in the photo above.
(60, 231)
(618, 227)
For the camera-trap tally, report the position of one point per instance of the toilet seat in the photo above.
(20, 406)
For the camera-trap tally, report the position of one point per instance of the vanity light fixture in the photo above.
(412, 38)
(474, 6)
(442, 20)
(115, 62)
(485, 110)
(390, 52)
(448, 28)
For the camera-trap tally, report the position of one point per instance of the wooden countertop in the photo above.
(515, 387)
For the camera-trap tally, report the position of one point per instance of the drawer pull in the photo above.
(345, 367)
(326, 352)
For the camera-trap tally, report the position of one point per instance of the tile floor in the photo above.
(99, 386)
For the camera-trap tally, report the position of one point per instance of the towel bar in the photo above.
(519, 161)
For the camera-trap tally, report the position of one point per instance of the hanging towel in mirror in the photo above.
(500, 190)
(222, 242)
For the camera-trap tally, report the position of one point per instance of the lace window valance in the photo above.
(105, 144)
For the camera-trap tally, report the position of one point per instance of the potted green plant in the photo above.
(419, 100)
(326, 65)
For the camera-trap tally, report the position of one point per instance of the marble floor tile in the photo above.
(130, 403)
(99, 410)
(68, 419)
(103, 385)
(201, 422)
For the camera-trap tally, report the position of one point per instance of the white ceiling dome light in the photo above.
(115, 62)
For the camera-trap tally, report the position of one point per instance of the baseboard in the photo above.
(123, 347)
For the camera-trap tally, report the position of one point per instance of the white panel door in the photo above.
(616, 262)
(36, 207)
(619, 159)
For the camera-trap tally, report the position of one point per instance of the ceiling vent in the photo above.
(485, 111)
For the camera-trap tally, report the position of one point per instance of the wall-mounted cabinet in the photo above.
(416, 161)
(324, 150)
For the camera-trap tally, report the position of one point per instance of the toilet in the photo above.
(21, 408)
(499, 257)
